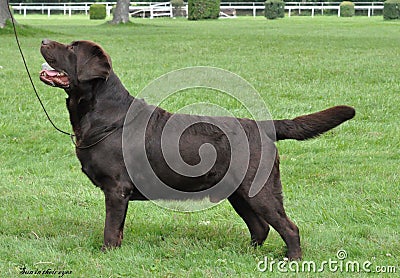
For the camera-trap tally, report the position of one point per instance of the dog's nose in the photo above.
(46, 42)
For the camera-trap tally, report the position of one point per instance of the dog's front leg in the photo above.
(116, 208)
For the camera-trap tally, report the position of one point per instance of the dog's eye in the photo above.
(70, 47)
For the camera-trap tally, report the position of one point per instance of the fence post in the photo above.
(108, 10)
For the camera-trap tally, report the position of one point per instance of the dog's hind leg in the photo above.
(272, 211)
(268, 205)
(289, 232)
(116, 208)
(257, 226)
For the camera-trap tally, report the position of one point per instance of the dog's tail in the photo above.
(312, 125)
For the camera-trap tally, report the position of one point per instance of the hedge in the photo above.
(391, 9)
(203, 9)
(274, 9)
(347, 9)
(97, 11)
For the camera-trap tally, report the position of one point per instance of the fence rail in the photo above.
(67, 8)
(253, 7)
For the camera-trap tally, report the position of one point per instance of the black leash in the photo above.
(30, 77)
(95, 143)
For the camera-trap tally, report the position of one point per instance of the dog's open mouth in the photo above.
(53, 77)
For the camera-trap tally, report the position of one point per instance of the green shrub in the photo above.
(274, 9)
(391, 9)
(177, 3)
(97, 11)
(203, 9)
(347, 9)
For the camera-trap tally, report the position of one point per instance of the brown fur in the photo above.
(98, 102)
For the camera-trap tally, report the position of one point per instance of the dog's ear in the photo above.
(92, 62)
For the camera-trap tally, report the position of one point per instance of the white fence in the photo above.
(256, 7)
(151, 10)
(370, 7)
(66, 8)
(154, 9)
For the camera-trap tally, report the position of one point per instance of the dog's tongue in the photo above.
(49, 70)
(51, 73)
(52, 77)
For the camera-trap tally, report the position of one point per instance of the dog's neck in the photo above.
(97, 107)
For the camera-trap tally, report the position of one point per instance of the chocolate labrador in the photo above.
(98, 104)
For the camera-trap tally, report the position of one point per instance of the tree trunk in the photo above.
(4, 13)
(121, 12)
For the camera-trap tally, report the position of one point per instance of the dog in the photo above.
(98, 104)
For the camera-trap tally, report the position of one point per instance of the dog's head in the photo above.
(69, 65)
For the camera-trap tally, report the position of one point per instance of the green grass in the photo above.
(342, 189)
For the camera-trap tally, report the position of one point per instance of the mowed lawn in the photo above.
(342, 189)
